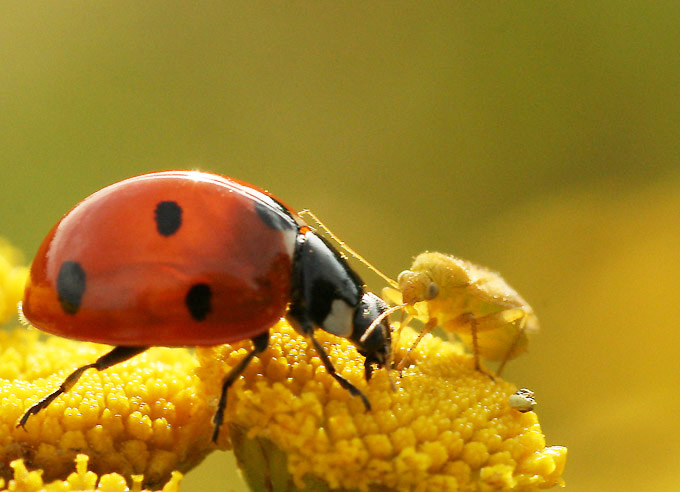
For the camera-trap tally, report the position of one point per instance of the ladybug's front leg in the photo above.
(261, 342)
(354, 391)
(297, 317)
(115, 356)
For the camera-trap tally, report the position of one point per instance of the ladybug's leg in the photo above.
(115, 356)
(331, 370)
(261, 342)
(327, 294)
(368, 370)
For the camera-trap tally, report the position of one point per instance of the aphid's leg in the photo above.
(403, 321)
(115, 356)
(331, 370)
(475, 341)
(518, 336)
(469, 319)
(261, 342)
(390, 370)
(344, 246)
(429, 326)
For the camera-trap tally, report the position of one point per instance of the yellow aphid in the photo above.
(467, 300)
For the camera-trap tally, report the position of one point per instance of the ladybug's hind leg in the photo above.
(261, 342)
(115, 356)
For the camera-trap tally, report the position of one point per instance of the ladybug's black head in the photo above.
(377, 345)
(326, 293)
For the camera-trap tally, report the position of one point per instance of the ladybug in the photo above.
(189, 258)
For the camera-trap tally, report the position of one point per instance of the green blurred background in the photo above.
(538, 138)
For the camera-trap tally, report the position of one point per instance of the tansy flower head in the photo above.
(446, 428)
(145, 416)
(80, 480)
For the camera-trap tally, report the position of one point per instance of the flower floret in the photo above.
(81, 480)
(447, 427)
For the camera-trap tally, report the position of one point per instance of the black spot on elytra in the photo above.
(275, 216)
(71, 286)
(198, 301)
(168, 217)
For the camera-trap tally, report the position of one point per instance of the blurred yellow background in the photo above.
(539, 139)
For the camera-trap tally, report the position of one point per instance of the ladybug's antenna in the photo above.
(20, 313)
(356, 255)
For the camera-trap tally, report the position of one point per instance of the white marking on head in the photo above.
(340, 319)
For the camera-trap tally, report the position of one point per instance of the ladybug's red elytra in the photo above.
(188, 258)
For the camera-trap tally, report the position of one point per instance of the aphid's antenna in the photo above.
(389, 364)
(377, 321)
(344, 246)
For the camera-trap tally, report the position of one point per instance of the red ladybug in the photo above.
(186, 258)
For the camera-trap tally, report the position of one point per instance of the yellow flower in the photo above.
(145, 416)
(80, 480)
(446, 428)
(12, 280)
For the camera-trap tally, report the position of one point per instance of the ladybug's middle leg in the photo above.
(115, 356)
(261, 342)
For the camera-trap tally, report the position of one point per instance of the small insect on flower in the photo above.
(466, 300)
(522, 401)
(187, 258)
